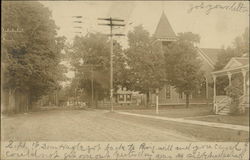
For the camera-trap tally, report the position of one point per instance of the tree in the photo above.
(145, 62)
(31, 61)
(94, 50)
(182, 66)
(234, 91)
(240, 47)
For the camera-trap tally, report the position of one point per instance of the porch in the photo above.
(236, 68)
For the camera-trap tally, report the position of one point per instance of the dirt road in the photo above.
(84, 125)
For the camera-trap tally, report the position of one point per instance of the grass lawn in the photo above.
(201, 133)
(177, 112)
(203, 113)
(237, 120)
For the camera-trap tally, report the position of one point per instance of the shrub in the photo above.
(234, 92)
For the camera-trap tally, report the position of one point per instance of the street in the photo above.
(85, 125)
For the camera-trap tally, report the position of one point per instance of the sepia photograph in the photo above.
(90, 80)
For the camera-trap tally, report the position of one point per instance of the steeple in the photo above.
(164, 31)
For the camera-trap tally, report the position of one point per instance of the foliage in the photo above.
(239, 48)
(93, 50)
(31, 59)
(145, 62)
(182, 66)
(234, 91)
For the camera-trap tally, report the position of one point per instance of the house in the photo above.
(123, 96)
(168, 94)
(236, 67)
(127, 97)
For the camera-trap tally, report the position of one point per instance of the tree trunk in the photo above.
(147, 99)
(187, 100)
(12, 104)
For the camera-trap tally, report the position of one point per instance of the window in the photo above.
(181, 95)
(121, 97)
(128, 98)
(168, 93)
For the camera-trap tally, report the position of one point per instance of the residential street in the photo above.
(84, 125)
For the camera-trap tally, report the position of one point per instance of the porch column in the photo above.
(244, 81)
(214, 79)
(229, 78)
(206, 87)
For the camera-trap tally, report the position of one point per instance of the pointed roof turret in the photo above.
(164, 31)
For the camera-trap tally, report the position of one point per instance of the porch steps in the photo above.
(224, 111)
(223, 105)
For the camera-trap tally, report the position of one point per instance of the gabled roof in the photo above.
(210, 54)
(237, 62)
(242, 60)
(164, 30)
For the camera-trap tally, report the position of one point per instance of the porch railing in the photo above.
(221, 102)
(244, 100)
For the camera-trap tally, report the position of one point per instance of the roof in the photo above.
(235, 65)
(243, 61)
(164, 29)
(211, 54)
(236, 62)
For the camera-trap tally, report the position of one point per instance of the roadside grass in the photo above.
(228, 119)
(198, 113)
(176, 112)
(201, 133)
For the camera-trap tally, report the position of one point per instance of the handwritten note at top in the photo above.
(125, 150)
(208, 7)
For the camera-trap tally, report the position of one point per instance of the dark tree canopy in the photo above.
(145, 61)
(181, 64)
(93, 50)
(239, 48)
(31, 59)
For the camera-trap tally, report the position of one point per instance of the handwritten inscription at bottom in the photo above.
(125, 150)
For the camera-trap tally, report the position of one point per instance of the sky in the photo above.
(217, 28)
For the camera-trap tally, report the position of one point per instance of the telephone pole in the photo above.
(112, 22)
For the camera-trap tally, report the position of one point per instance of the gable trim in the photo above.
(232, 60)
(207, 59)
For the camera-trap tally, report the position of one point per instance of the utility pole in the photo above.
(112, 24)
(92, 86)
(157, 101)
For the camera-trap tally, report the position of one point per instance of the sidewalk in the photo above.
(195, 122)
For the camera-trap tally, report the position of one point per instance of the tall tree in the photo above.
(31, 59)
(145, 62)
(182, 66)
(239, 47)
(94, 49)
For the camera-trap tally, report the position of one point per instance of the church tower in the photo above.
(164, 32)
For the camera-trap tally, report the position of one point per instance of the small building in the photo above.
(123, 96)
(127, 97)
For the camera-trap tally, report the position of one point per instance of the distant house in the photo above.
(123, 96)
(127, 97)
(168, 95)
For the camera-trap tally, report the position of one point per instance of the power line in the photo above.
(12, 30)
(112, 22)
